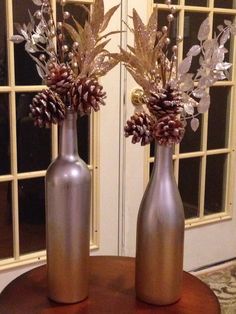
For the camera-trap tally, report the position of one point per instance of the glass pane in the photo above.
(218, 117)
(3, 45)
(189, 170)
(32, 215)
(218, 19)
(215, 177)
(152, 149)
(192, 140)
(229, 4)
(83, 138)
(6, 235)
(33, 143)
(191, 33)
(78, 12)
(25, 70)
(4, 135)
(198, 3)
(163, 1)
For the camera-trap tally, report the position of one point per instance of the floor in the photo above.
(222, 280)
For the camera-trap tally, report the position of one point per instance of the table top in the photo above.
(111, 291)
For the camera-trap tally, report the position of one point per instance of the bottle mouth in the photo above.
(70, 109)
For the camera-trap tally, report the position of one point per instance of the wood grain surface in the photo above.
(111, 291)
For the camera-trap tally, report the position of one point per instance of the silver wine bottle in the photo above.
(68, 184)
(160, 235)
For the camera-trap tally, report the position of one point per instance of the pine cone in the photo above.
(60, 78)
(139, 126)
(169, 130)
(87, 93)
(168, 103)
(47, 108)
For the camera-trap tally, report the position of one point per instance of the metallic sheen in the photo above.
(137, 97)
(160, 235)
(68, 184)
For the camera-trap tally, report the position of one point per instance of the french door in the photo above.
(204, 162)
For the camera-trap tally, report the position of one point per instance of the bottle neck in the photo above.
(163, 163)
(68, 143)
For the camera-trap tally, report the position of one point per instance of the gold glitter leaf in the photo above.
(105, 67)
(97, 16)
(73, 33)
(152, 28)
(139, 33)
(107, 17)
(90, 57)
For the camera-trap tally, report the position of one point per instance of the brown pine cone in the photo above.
(169, 102)
(47, 108)
(60, 78)
(87, 94)
(169, 130)
(139, 126)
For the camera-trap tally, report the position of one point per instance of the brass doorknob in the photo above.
(137, 97)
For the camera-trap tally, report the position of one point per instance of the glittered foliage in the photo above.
(69, 57)
(171, 95)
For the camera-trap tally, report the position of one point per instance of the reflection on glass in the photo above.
(229, 4)
(192, 140)
(4, 135)
(25, 70)
(218, 117)
(83, 138)
(215, 176)
(190, 35)
(198, 3)
(31, 215)
(189, 170)
(3, 45)
(33, 143)
(6, 235)
(218, 19)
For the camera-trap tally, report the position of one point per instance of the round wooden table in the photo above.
(111, 291)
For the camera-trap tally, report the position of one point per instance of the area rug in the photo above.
(222, 280)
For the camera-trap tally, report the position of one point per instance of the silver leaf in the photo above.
(204, 30)
(220, 28)
(37, 2)
(17, 39)
(208, 44)
(194, 50)
(186, 82)
(199, 93)
(185, 65)
(225, 36)
(204, 104)
(194, 124)
(227, 22)
(40, 72)
(24, 33)
(223, 66)
(189, 109)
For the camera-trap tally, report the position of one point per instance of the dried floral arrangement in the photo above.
(69, 58)
(170, 94)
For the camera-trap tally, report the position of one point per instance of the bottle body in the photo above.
(68, 220)
(160, 236)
